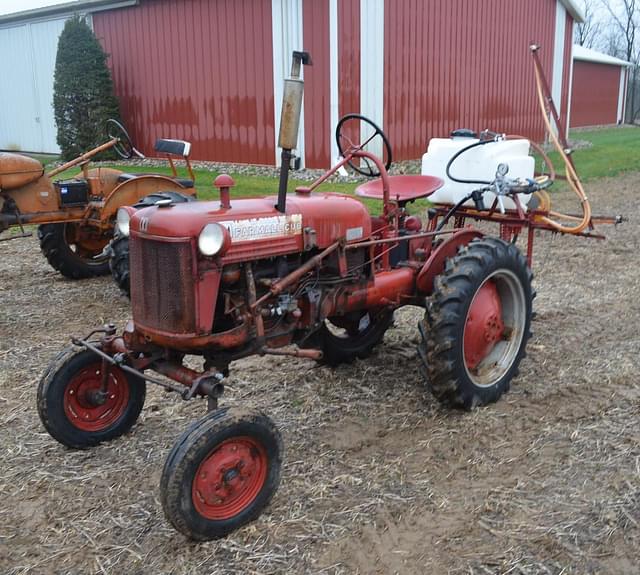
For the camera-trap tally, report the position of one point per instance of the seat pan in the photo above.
(402, 189)
(184, 182)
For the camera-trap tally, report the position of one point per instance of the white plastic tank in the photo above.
(479, 163)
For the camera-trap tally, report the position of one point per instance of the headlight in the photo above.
(122, 221)
(212, 239)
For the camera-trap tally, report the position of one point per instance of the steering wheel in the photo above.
(123, 147)
(350, 124)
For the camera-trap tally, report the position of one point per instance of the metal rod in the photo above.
(295, 275)
(396, 239)
(82, 158)
(178, 389)
(303, 353)
(284, 180)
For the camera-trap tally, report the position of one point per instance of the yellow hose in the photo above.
(572, 177)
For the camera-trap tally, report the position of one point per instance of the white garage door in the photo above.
(26, 86)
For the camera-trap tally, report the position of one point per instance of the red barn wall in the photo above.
(455, 63)
(594, 97)
(195, 70)
(317, 124)
(202, 70)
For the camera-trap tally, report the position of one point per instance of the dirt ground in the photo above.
(378, 478)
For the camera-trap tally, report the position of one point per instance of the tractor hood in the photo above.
(17, 170)
(256, 228)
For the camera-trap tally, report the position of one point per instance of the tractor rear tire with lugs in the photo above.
(70, 254)
(476, 323)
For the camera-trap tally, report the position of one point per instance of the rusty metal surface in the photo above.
(454, 63)
(17, 170)
(435, 264)
(594, 101)
(162, 284)
(195, 70)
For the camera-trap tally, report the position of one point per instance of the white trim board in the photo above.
(286, 23)
(372, 66)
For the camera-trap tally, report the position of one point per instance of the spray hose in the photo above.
(570, 172)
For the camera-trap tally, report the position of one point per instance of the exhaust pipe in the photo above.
(290, 122)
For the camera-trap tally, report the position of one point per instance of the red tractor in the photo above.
(312, 275)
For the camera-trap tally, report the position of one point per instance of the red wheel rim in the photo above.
(484, 326)
(229, 478)
(80, 404)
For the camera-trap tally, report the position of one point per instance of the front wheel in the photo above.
(221, 474)
(476, 323)
(72, 408)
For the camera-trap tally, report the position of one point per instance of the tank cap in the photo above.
(303, 191)
(463, 133)
(166, 203)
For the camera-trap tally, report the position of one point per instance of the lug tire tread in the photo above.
(445, 311)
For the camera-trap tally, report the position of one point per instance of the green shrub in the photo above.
(83, 96)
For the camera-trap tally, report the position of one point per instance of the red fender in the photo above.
(448, 248)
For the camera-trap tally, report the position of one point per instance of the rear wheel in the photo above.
(119, 262)
(221, 473)
(476, 323)
(73, 410)
(342, 339)
(75, 251)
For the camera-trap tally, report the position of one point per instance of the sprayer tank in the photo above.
(479, 163)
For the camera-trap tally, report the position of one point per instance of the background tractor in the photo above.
(76, 215)
(311, 275)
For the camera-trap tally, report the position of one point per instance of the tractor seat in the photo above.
(402, 189)
(184, 182)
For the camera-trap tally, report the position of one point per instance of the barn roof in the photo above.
(93, 5)
(66, 8)
(573, 9)
(589, 55)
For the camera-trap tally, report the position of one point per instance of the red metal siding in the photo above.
(317, 121)
(195, 70)
(349, 63)
(349, 57)
(455, 63)
(594, 98)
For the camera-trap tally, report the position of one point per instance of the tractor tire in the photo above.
(221, 473)
(67, 405)
(119, 262)
(343, 342)
(118, 249)
(73, 260)
(476, 324)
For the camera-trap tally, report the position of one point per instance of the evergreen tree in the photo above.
(83, 97)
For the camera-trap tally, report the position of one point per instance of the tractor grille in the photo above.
(162, 285)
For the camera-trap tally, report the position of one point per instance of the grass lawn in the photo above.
(613, 152)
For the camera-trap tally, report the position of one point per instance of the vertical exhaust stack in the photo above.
(290, 122)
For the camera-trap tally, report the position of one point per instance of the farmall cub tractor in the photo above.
(311, 275)
(77, 215)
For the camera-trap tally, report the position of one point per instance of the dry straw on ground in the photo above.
(378, 477)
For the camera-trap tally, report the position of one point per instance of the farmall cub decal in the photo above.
(264, 228)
